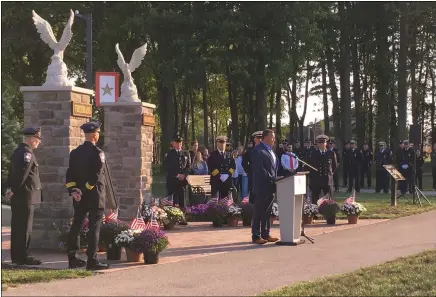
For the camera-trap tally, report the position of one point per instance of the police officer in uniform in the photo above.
(382, 157)
(246, 163)
(325, 162)
(368, 157)
(334, 149)
(355, 159)
(406, 168)
(86, 183)
(345, 163)
(308, 149)
(24, 190)
(222, 166)
(177, 168)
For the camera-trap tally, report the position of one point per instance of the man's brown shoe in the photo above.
(260, 241)
(272, 239)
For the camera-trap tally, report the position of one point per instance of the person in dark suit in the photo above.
(345, 164)
(247, 164)
(86, 184)
(177, 167)
(334, 149)
(382, 157)
(265, 165)
(355, 159)
(325, 162)
(406, 168)
(222, 166)
(24, 191)
(366, 166)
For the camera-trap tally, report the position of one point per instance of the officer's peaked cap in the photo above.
(257, 134)
(406, 141)
(90, 127)
(381, 143)
(353, 141)
(177, 138)
(32, 131)
(221, 139)
(322, 138)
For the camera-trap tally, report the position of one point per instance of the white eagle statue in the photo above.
(57, 72)
(129, 92)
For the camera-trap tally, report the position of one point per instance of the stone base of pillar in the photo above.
(128, 146)
(52, 109)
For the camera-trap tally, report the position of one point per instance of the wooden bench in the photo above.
(200, 188)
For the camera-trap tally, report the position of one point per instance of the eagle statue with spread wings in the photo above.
(129, 92)
(57, 72)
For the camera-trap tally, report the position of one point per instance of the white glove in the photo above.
(405, 166)
(224, 177)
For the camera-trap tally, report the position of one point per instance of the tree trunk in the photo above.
(260, 94)
(205, 111)
(183, 121)
(402, 74)
(413, 62)
(166, 115)
(333, 94)
(231, 90)
(344, 73)
(271, 105)
(188, 108)
(325, 97)
(360, 129)
(176, 110)
(192, 115)
(306, 97)
(294, 108)
(370, 114)
(278, 114)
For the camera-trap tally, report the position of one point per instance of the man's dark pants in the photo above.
(366, 172)
(95, 219)
(262, 214)
(316, 191)
(177, 189)
(381, 181)
(354, 180)
(21, 229)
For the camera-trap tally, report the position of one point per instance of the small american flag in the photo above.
(244, 200)
(322, 199)
(351, 199)
(212, 200)
(112, 216)
(227, 200)
(138, 223)
(167, 201)
(85, 223)
(153, 224)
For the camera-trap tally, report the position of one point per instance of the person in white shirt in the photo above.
(289, 162)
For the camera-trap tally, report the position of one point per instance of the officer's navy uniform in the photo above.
(24, 182)
(322, 180)
(176, 162)
(246, 164)
(221, 163)
(406, 169)
(336, 172)
(345, 164)
(355, 158)
(366, 168)
(86, 172)
(382, 157)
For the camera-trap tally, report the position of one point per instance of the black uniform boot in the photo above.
(74, 262)
(94, 265)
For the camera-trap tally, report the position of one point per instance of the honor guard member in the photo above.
(345, 163)
(406, 168)
(24, 190)
(177, 167)
(355, 159)
(334, 149)
(85, 181)
(382, 157)
(246, 163)
(325, 162)
(222, 166)
(308, 148)
(367, 158)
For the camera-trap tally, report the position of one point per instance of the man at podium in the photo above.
(265, 163)
(325, 162)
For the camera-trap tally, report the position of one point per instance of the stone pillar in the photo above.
(52, 109)
(128, 146)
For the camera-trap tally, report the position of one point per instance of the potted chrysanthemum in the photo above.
(233, 215)
(150, 243)
(160, 215)
(217, 212)
(274, 212)
(175, 215)
(124, 239)
(199, 212)
(108, 232)
(329, 208)
(352, 210)
(309, 211)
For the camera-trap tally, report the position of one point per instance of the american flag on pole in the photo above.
(153, 224)
(322, 199)
(112, 216)
(351, 199)
(227, 200)
(167, 201)
(138, 222)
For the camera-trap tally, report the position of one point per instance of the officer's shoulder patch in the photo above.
(27, 157)
(102, 157)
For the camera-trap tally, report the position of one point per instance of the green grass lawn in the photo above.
(408, 276)
(379, 205)
(14, 277)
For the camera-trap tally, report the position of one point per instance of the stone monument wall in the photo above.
(52, 109)
(128, 146)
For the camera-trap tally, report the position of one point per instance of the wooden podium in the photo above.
(290, 193)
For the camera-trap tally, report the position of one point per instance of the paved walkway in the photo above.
(259, 268)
